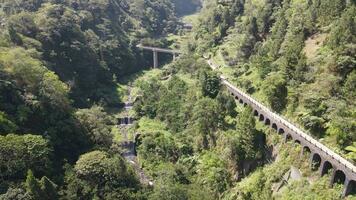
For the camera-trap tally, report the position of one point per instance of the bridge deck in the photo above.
(157, 49)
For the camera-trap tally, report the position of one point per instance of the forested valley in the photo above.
(69, 68)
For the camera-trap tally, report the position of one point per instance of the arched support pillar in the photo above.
(325, 168)
(281, 131)
(287, 138)
(315, 161)
(267, 122)
(305, 150)
(349, 188)
(338, 176)
(274, 126)
(261, 118)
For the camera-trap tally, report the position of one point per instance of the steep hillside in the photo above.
(298, 57)
(63, 69)
(193, 140)
(88, 44)
(60, 63)
(197, 143)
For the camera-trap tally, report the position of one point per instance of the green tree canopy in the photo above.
(18, 153)
(97, 124)
(98, 167)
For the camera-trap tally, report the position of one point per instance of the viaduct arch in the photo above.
(322, 158)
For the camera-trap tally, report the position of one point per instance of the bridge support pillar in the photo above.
(155, 59)
(349, 187)
(333, 174)
(301, 152)
(346, 190)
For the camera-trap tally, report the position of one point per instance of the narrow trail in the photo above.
(129, 145)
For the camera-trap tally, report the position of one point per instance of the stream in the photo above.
(129, 145)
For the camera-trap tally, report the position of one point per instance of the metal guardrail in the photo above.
(280, 119)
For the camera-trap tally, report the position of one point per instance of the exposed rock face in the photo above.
(292, 174)
(295, 173)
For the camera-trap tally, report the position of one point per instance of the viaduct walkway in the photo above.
(322, 158)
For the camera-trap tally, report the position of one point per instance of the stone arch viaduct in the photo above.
(322, 158)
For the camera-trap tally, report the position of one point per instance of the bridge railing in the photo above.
(172, 51)
(280, 119)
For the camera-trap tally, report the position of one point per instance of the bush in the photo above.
(18, 153)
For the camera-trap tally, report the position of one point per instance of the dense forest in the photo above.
(298, 57)
(67, 66)
(60, 63)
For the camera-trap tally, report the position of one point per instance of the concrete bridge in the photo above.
(322, 158)
(157, 50)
